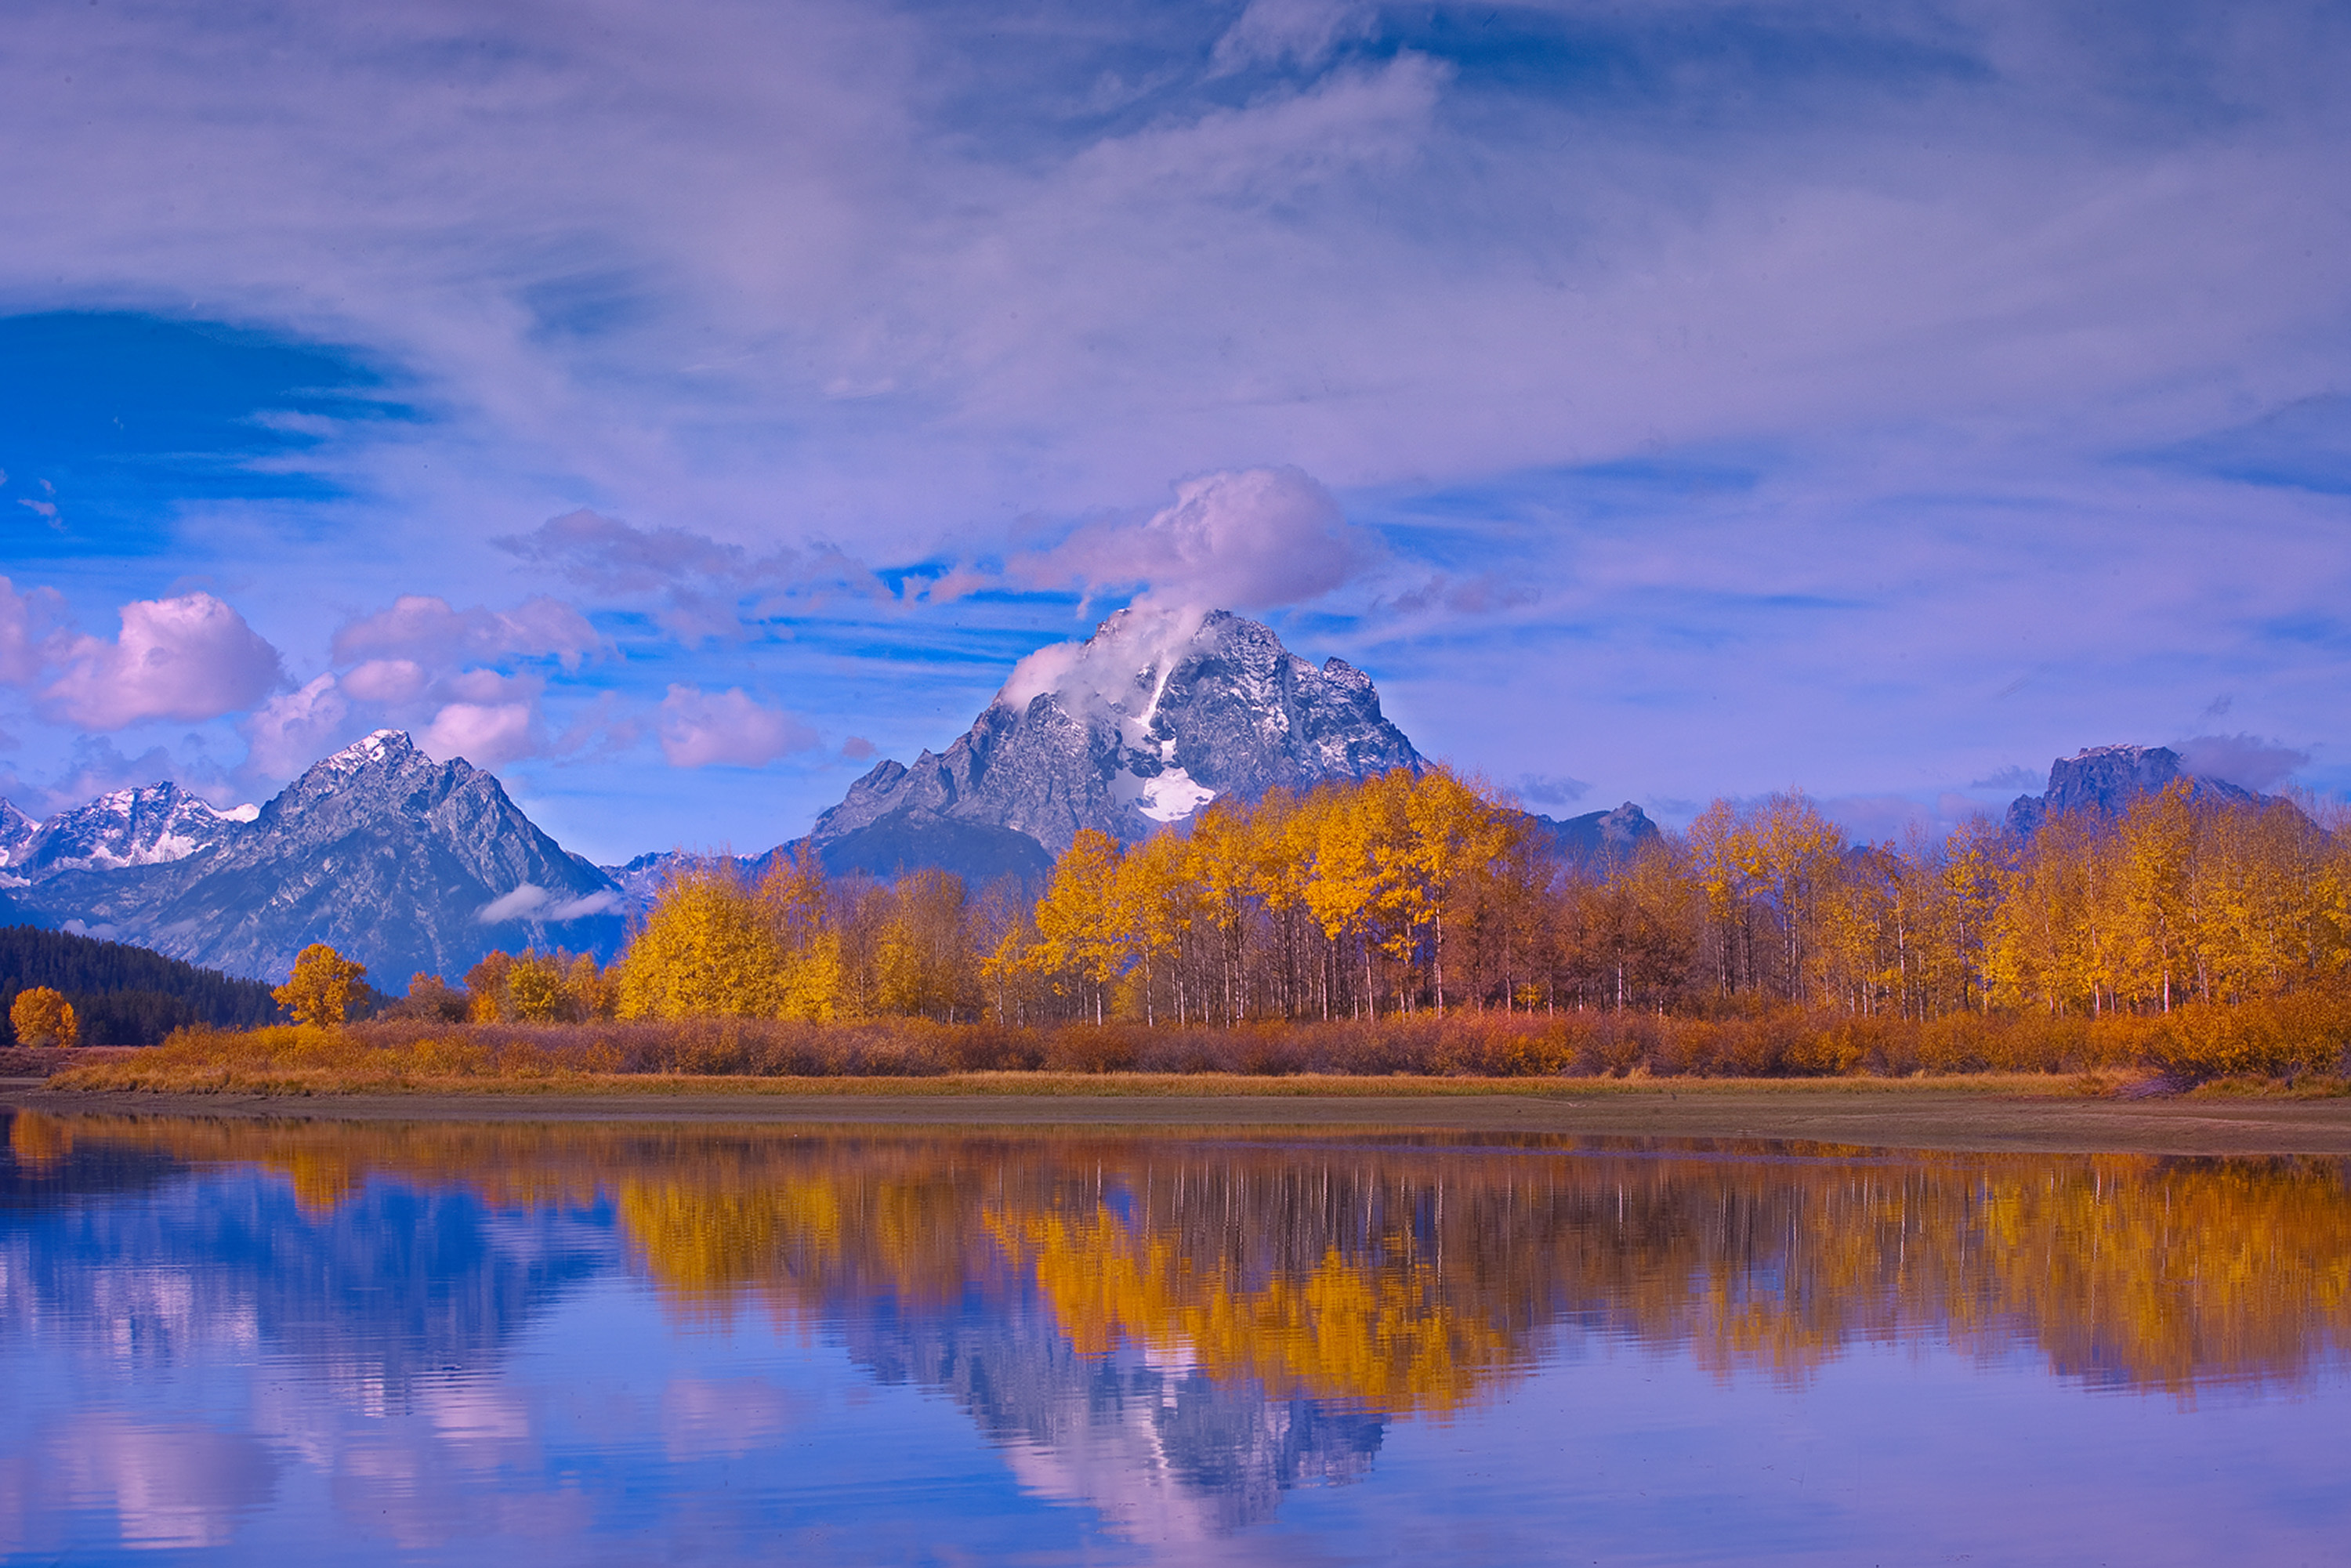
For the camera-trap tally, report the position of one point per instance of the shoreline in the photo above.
(2000, 1115)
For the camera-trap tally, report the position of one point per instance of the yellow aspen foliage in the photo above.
(1454, 830)
(322, 988)
(42, 1015)
(811, 982)
(485, 987)
(1155, 909)
(707, 950)
(1079, 930)
(535, 990)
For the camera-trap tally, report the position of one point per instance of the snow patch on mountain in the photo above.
(153, 825)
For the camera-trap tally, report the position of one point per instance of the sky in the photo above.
(677, 408)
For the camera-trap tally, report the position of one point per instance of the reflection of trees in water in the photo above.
(1402, 1277)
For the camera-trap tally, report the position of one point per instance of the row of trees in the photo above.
(1428, 892)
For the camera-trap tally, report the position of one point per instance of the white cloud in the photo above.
(532, 902)
(1253, 539)
(422, 629)
(26, 623)
(294, 729)
(487, 734)
(701, 729)
(388, 681)
(192, 657)
(1306, 31)
(2249, 760)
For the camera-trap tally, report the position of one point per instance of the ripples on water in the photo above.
(473, 1342)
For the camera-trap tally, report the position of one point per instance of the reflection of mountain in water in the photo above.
(1162, 1449)
(1178, 1330)
(394, 1283)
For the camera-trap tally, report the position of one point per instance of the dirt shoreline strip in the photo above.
(1890, 1117)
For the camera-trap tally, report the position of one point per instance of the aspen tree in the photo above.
(41, 1016)
(322, 988)
(1078, 924)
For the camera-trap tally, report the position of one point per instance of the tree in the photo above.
(1078, 920)
(42, 1015)
(324, 985)
(707, 950)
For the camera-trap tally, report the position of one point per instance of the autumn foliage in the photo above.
(41, 1016)
(1418, 923)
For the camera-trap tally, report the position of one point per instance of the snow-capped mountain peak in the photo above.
(152, 825)
(1141, 725)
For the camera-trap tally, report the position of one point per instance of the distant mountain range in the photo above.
(410, 865)
(407, 865)
(2105, 779)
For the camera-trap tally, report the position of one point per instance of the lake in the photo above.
(490, 1343)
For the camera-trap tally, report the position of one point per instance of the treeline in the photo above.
(1408, 895)
(123, 995)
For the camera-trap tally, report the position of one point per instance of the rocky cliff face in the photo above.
(1141, 725)
(2105, 779)
(402, 862)
(17, 830)
(150, 826)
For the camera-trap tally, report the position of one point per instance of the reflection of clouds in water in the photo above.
(702, 1418)
(178, 1485)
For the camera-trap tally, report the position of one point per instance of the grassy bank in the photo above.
(2298, 1046)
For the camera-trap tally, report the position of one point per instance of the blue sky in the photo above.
(673, 408)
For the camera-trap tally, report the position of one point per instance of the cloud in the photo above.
(386, 681)
(192, 657)
(1254, 538)
(27, 624)
(1306, 31)
(426, 631)
(294, 729)
(534, 903)
(857, 748)
(703, 588)
(1551, 789)
(2257, 764)
(2014, 776)
(699, 728)
(487, 734)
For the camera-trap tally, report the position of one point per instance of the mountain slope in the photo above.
(1141, 725)
(1597, 836)
(2105, 779)
(402, 862)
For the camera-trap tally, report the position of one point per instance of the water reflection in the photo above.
(1174, 1332)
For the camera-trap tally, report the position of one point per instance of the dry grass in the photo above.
(2256, 1051)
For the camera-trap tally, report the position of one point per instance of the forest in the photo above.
(1413, 900)
(124, 994)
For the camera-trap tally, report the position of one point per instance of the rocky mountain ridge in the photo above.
(406, 865)
(149, 826)
(1138, 727)
(2105, 779)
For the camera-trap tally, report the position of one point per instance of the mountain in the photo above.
(1141, 725)
(17, 830)
(153, 826)
(2105, 779)
(1598, 835)
(402, 862)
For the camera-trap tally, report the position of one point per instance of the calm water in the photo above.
(503, 1343)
